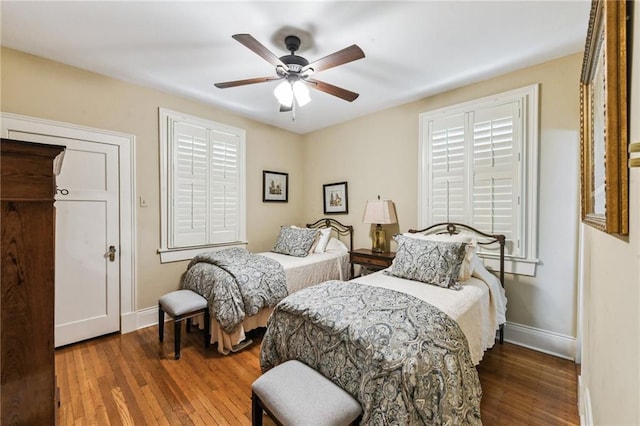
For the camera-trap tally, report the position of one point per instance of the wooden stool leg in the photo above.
(189, 325)
(160, 323)
(256, 410)
(177, 326)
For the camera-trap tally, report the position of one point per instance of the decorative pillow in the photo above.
(467, 265)
(312, 249)
(295, 241)
(323, 240)
(431, 262)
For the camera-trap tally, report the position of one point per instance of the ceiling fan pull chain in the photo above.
(293, 109)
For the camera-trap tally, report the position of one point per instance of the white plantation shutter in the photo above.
(472, 168)
(447, 155)
(224, 187)
(203, 185)
(495, 190)
(189, 211)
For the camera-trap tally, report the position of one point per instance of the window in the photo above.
(202, 186)
(478, 165)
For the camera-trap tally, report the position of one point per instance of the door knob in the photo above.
(112, 253)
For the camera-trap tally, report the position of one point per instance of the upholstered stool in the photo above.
(294, 394)
(182, 304)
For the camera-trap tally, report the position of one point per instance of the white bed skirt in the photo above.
(235, 341)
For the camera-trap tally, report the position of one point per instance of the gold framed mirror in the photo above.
(603, 120)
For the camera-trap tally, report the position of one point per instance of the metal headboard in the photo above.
(339, 228)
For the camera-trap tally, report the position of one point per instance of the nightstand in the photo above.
(371, 260)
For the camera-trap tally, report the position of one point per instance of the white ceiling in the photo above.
(413, 49)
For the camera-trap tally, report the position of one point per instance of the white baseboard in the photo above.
(141, 319)
(128, 322)
(584, 404)
(148, 317)
(133, 321)
(541, 340)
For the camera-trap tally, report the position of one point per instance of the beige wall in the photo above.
(611, 352)
(40, 88)
(378, 154)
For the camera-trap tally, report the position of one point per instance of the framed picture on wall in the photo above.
(335, 198)
(603, 101)
(275, 187)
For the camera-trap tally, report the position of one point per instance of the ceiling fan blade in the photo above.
(248, 41)
(348, 54)
(345, 94)
(235, 83)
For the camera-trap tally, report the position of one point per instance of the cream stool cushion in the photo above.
(295, 394)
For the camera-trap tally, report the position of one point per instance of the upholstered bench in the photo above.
(182, 304)
(294, 394)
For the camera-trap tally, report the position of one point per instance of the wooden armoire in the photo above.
(27, 190)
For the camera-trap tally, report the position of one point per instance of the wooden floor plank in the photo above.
(133, 379)
(158, 417)
(87, 412)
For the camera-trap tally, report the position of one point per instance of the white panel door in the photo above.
(87, 300)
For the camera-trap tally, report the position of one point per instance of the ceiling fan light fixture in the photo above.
(284, 94)
(301, 92)
(286, 91)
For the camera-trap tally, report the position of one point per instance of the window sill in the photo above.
(176, 255)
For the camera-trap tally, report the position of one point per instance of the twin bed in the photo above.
(403, 341)
(326, 259)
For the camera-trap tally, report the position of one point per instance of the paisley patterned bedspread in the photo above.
(403, 359)
(236, 283)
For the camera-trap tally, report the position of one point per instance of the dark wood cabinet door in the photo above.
(27, 376)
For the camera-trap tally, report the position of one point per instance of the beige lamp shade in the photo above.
(381, 212)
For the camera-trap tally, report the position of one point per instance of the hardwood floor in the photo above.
(524, 387)
(132, 379)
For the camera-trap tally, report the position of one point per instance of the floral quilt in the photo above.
(404, 360)
(236, 284)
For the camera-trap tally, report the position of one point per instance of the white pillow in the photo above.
(323, 239)
(336, 245)
(466, 269)
(497, 291)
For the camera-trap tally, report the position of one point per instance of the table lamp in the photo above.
(379, 212)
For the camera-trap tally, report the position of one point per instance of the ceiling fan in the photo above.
(297, 71)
